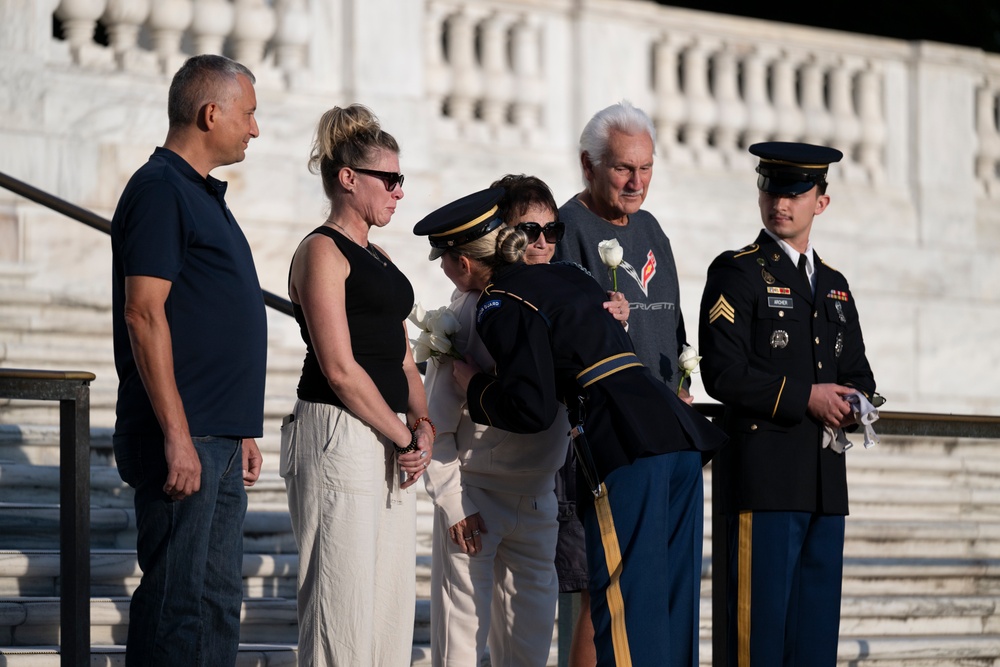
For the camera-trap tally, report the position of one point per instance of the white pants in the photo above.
(356, 535)
(507, 592)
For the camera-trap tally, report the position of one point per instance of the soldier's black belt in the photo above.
(606, 367)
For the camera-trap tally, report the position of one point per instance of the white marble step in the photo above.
(115, 572)
(929, 651)
(35, 621)
(250, 655)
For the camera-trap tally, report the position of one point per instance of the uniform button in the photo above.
(753, 427)
(815, 313)
(781, 313)
(816, 339)
(820, 364)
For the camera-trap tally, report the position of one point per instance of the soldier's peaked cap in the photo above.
(790, 168)
(461, 221)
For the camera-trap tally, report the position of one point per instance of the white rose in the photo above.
(688, 361)
(421, 349)
(446, 323)
(611, 253)
(418, 315)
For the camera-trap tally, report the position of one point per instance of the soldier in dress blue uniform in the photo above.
(640, 445)
(782, 347)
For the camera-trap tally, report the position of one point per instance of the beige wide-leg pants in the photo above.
(356, 534)
(503, 597)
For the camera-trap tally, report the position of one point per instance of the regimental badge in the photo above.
(840, 312)
(838, 346)
(722, 309)
(775, 257)
(837, 294)
(766, 275)
(779, 339)
(778, 290)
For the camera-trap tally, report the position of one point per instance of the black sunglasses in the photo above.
(553, 231)
(390, 178)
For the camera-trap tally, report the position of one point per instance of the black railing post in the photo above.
(74, 527)
(72, 390)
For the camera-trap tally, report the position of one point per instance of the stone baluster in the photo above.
(760, 113)
(817, 125)
(123, 19)
(846, 128)
(253, 26)
(731, 111)
(496, 81)
(437, 78)
(872, 123)
(529, 86)
(291, 37)
(701, 111)
(988, 133)
(168, 19)
(79, 18)
(465, 76)
(211, 23)
(670, 111)
(788, 123)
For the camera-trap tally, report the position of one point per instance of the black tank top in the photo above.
(378, 299)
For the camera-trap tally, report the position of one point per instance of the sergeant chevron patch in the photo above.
(722, 309)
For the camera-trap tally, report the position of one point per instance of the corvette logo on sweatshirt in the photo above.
(648, 271)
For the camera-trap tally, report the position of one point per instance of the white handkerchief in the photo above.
(865, 415)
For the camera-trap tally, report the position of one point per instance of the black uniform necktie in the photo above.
(802, 269)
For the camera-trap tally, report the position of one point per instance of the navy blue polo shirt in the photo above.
(173, 224)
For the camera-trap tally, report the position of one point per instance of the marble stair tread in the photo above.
(919, 615)
(936, 528)
(938, 650)
(257, 654)
(983, 461)
(37, 526)
(923, 494)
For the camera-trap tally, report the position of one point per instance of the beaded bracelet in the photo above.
(410, 447)
(434, 432)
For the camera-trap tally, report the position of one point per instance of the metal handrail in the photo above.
(99, 223)
(72, 390)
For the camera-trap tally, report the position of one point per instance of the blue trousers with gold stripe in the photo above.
(785, 573)
(644, 544)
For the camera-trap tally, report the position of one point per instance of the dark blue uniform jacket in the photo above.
(543, 325)
(765, 339)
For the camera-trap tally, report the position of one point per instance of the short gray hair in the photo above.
(202, 79)
(621, 117)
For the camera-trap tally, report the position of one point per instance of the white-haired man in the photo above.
(616, 156)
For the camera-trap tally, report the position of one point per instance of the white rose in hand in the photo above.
(443, 322)
(688, 363)
(422, 347)
(438, 328)
(689, 359)
(611, 253)
(418, 316)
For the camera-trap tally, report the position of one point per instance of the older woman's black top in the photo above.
(378, 297)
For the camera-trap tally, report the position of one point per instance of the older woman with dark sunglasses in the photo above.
(493, 581)
(360, 434)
